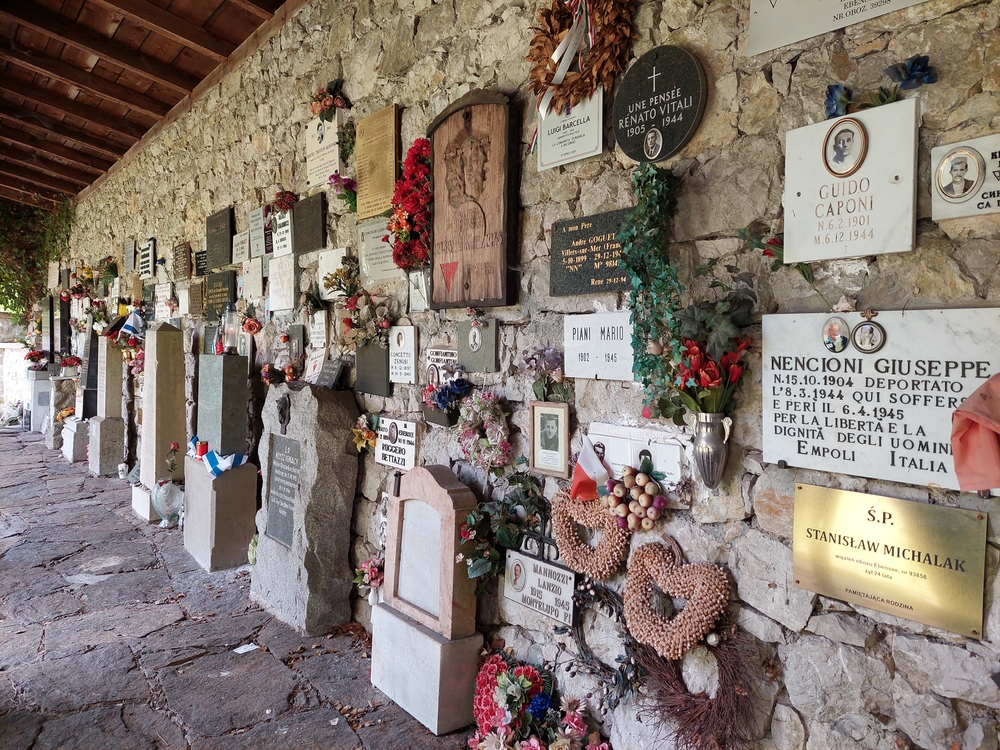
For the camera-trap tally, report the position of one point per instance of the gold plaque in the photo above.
(917, 561)
(376, 152)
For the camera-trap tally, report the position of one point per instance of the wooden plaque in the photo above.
(376, 153)
(475, 181)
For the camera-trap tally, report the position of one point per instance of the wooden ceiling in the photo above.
(81, 81)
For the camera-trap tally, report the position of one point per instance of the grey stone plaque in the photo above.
(219, 238)
(309, 220)
(128, 256)
(282, 489)
(329, 376)
(477, 347)
(208, 339)
(373, 370)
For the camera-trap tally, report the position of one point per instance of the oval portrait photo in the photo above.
(868, 337)
(845, 147)
(960, 174)
(835, 332)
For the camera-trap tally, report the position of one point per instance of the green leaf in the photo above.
(479, 567)
(646, 466)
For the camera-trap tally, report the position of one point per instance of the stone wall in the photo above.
(842, 676)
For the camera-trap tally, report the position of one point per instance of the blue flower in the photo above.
(539, 705)
(451, 392)
(837, 99)
(913, 72)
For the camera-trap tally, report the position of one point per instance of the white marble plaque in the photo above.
(253, 278)
(281, 289)
(53, 278)
(323, 149)
(965, 178)
(598, 346)
(627, 446)
(396, 444)
(282, 236)
(241, 247)
(420, 556)
(163, 293)
(147, 258)
(850, 185)
(183, 301)
(329, 262)
(885, 415)
(572, 135)
(317, 330)
(541, 586)
(403, 354)
(259, 230)
(417, 283)
(375, 255)
(775, 23)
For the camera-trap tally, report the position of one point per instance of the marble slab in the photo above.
(281, 283)
(965, 178)
(598, 346)
(403, 354)
(396, 444)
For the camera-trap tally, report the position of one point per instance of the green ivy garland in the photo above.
(29, 238)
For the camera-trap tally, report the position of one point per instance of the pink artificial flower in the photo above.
(574, 721)
(327, 102)
(647, 413)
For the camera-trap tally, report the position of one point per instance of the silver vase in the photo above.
(711, 449)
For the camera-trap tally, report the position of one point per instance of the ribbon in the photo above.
(567, 49)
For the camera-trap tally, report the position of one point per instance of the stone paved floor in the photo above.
(111, 636)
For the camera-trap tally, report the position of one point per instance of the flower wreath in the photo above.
(601, 562)
(483, 431)
(610, 33)
(410, 224)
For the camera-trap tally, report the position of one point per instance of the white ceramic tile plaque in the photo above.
(314, 364)
(965, 178)
(541, 586)
(260, 231)
(396, 444)
(183, 301)
(375, 255)
(329, 262)
(317, 329)
(282, 236)
(241, 247)
(281, 283)
(574, 134)
(147, 258)
(869, 209)
(775, 23)
(53, 277)
(627, 446)
(884, 415)
(403, 354)
(163, 293)
(323, 149)
(598, 346)
(253, 278)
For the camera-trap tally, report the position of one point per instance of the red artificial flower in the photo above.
(647, 413)
(352, 303)
(735, 372)
(468, 532)
(175, 446)
(709, 375)
(348, 323)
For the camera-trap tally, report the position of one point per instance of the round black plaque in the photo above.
(659, 103)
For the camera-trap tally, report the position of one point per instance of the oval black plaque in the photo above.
(659, 103)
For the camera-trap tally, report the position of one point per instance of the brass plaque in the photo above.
(376, 152)
(922, 562)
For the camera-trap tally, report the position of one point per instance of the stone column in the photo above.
(222, 402)
(219, 514)
(107, 429)
(63, 393)
(39, 398)
(162, 413)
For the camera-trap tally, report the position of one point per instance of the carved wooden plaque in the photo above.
(473, 146)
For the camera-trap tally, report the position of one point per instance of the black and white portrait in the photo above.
(550, 432)
(845, 147)
(550, 438)
(868, 337)
(475, 339)
(835, 332)
(960, 174)
(652, 143)
(320, 131)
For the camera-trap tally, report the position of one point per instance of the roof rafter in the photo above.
(49, 167)
(37, 178)
(40, 121)
(24, 138)
(15, 183)
(27, 199)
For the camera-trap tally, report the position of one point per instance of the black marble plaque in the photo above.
(60, 325)
(128, 256)
(584, 257)
(49, 342)
(201, 263)
(149, 298)
(329, 375)
(309, 220)
(219, 238)
(208, 336)
(89, 359)
(182, 261)
(373, 370)
(220, 290)
(283, 488)
(659, 103)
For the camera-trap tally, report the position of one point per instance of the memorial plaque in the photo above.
(147, 258)
(149, 301)
(282, 237)
(540, 586)
(329, 375)
(281, 283)
(241, 247)
(208, 337)
(478, 347)
(403, 354)
(775, 23)
(296, 341)
(128, 257)
(309, 216)
(163, 293)
(396, 445)
(314, 364)
(318, 330)
(965, 178)
(440, 364)
(373, 370)
(220, 290)
(585, 253)
(375, 254)
(376, 154)
(329, 262)
(620, 446)
(850, 185)
(260, 231)
(181, 265)
(53, 275)
(283, 489)
(918, 561)
(659, 103)
(49, 344)
(323, 149)
(196, 298)
(574, 134)
(253, 278)
(475, 184)
(219, 238)
(201, 263)
(598, 346)
(885, 415)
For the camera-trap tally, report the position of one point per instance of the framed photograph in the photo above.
(550, 438)
(835, 332)
(868, 337)
(960, 174)
(845, 147)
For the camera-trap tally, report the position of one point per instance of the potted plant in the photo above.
(69, 366)
(38, 363)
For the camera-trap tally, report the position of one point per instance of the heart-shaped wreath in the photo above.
(601, 562)
(611, 32)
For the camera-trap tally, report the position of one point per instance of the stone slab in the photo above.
(222, 403)
(430, 677)
(321, 729)
(109, 380)
(107, 445)
(142, 504)
(219, 514)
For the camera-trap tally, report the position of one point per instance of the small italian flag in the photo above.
(589, 473)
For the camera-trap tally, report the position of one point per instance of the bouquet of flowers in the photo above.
(369, 577)
(271, 374)
(35, 356)
(78, 324)
(283, 201)
(445, 396)
(347, 190)
(70, 360)
(545, 364)
(364, 432)
(367, 321)
(483, 432)
(706, 385)
(139, 363)
(411, 218)
(69, 411)
(328, 99)
(346, 279)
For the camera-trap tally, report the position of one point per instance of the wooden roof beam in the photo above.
(49, 167)
(35, 201)
(48, 98)
(155, 18)
(78, 36)
(254, 7)
(15, 183)
(40, 121)
(37, 178)
(24, 138)
(82, 79)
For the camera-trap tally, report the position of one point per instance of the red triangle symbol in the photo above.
(448, 270)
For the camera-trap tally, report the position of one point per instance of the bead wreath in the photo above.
(611, 34)
(704, 586)
(599, 562)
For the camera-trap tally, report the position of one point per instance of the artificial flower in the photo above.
(838, 98)
(913, 72)
(252, 326)
(533, 743)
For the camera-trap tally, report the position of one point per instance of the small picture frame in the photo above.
(550, 438)
(868, 337)
(835, 334)
(845, 147)
(960, 174)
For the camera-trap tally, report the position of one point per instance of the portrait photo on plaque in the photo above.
(965, 178)
(868, 337)
(550, 438)
(960, 174)
(845, 147)
(835, 332)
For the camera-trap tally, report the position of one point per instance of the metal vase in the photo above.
(711, 449)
